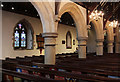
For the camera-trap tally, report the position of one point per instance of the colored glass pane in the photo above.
(23, 39)
(19, 26)
(16, 39)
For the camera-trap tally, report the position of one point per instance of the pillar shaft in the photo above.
(117, 40)
(82, 48)
(110, 47)
(117, 48)
(50, 50)
(99, 48)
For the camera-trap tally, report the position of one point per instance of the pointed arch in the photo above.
(76, 14)
(46, 14)
(98, 26)
(28, 35)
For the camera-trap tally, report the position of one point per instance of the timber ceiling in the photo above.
(111, 10)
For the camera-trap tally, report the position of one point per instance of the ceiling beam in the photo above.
(114, 10)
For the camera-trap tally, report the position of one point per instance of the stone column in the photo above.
(82, 47)
(117, 41)
(99, 48)
(110, 46)
(50, 50)
(117, 48)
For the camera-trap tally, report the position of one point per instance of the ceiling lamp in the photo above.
(12, 8)
(2, 5)
(114, 23)
(95, 15)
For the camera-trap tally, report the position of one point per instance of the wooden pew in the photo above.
(44, 71)
(80, 69)
(92, 67)
(90, 64)
(70, 75)
(25, 76)
(63, 74)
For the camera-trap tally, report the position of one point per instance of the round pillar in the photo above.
(50, 50)
(117, 48)
(82, 47)
(99, 48)
(110, 47)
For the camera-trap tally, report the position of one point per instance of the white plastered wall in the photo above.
(11, 19)
(62, 31)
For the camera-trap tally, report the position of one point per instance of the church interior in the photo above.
(60, 41)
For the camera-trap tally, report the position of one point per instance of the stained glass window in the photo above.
(23, 39)
(20, 37)
(19, 26)
(16, 39)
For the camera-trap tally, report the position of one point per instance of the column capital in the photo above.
(117, 42)
(50, 35)
(82, 38)
(100, 40)
(57, 18)
(50, 38)
(82, 41)
(88, 27)
(110, 41)
(99, 46)
(110, 45)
